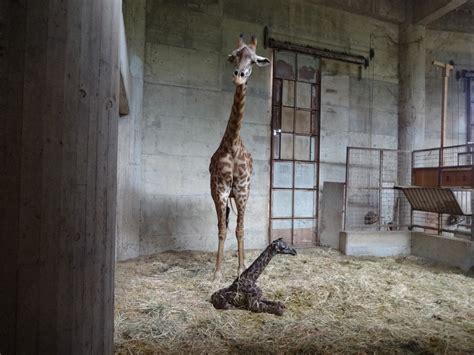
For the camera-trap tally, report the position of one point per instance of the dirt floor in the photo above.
(335, 304)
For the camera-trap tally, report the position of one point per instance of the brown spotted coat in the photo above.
(230, 169)
(244, 293)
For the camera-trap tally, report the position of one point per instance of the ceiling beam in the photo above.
(425, 12)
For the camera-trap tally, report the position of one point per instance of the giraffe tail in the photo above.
(227, 211)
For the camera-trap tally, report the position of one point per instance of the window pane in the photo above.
(305, 231)
(286, 146)
(307, 68)
(305, 175)
(304, 203)
(287, 119)
(302, 148)
(281, 228)
(281, 203)
(285, 65)
(276, 145)
(303, 121)
(288, 98)
(303, 98)
(282, 174)
(277, 92)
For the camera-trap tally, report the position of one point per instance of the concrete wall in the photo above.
(358, 111)
(446, 46)
(130, 138)
(378, 243)
(188, 95)
(453, 251)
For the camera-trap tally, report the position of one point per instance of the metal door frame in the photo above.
(313, 133)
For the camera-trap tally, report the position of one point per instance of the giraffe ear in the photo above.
(261, 61)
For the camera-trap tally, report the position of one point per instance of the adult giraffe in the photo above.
(231, 164)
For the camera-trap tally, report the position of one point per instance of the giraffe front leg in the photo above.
(239, 233)
(259, 306)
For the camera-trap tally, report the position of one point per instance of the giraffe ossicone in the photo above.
(231, 164)
(244, 293)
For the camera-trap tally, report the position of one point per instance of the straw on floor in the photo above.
(335, 304)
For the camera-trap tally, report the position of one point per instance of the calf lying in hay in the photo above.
(244, 292)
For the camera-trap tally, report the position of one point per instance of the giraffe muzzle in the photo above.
(289, 251)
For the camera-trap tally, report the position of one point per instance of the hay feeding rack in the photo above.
(443, 179)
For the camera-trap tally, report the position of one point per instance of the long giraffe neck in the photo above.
(253, 271)
(232, 132)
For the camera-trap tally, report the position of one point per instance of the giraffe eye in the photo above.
(242, 74)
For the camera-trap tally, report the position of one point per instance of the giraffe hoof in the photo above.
(217, 275)
(279, 311)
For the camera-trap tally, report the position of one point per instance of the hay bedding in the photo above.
(335, 304)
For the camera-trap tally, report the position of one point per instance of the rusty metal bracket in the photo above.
(270, 42)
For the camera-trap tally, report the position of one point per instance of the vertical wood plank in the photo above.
(31, 213)
(91, 81)
(80, 89)
(114, 94)
(67, 298)
(105, 102)
(12, 39)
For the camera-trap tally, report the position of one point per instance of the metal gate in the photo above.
(295, 148)
(372, 201)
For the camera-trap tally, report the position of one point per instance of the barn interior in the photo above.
(361, 130)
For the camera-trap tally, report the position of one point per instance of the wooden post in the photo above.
(472, 212)
(446, 71)
(444, 111)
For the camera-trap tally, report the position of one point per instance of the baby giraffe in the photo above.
(244, 292)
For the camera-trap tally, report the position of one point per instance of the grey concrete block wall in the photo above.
(444, 47)
(129, 155)
(188, 95)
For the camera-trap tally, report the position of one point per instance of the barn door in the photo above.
(295, 148)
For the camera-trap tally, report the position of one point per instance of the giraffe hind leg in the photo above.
(227, 212)
(221, 204)
(241, 202)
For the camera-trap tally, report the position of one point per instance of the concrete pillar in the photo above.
(411, 126)
(130, 137)
(58, 156)
(411, 120)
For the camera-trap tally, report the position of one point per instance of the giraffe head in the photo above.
(281, 247)
(243, 58)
